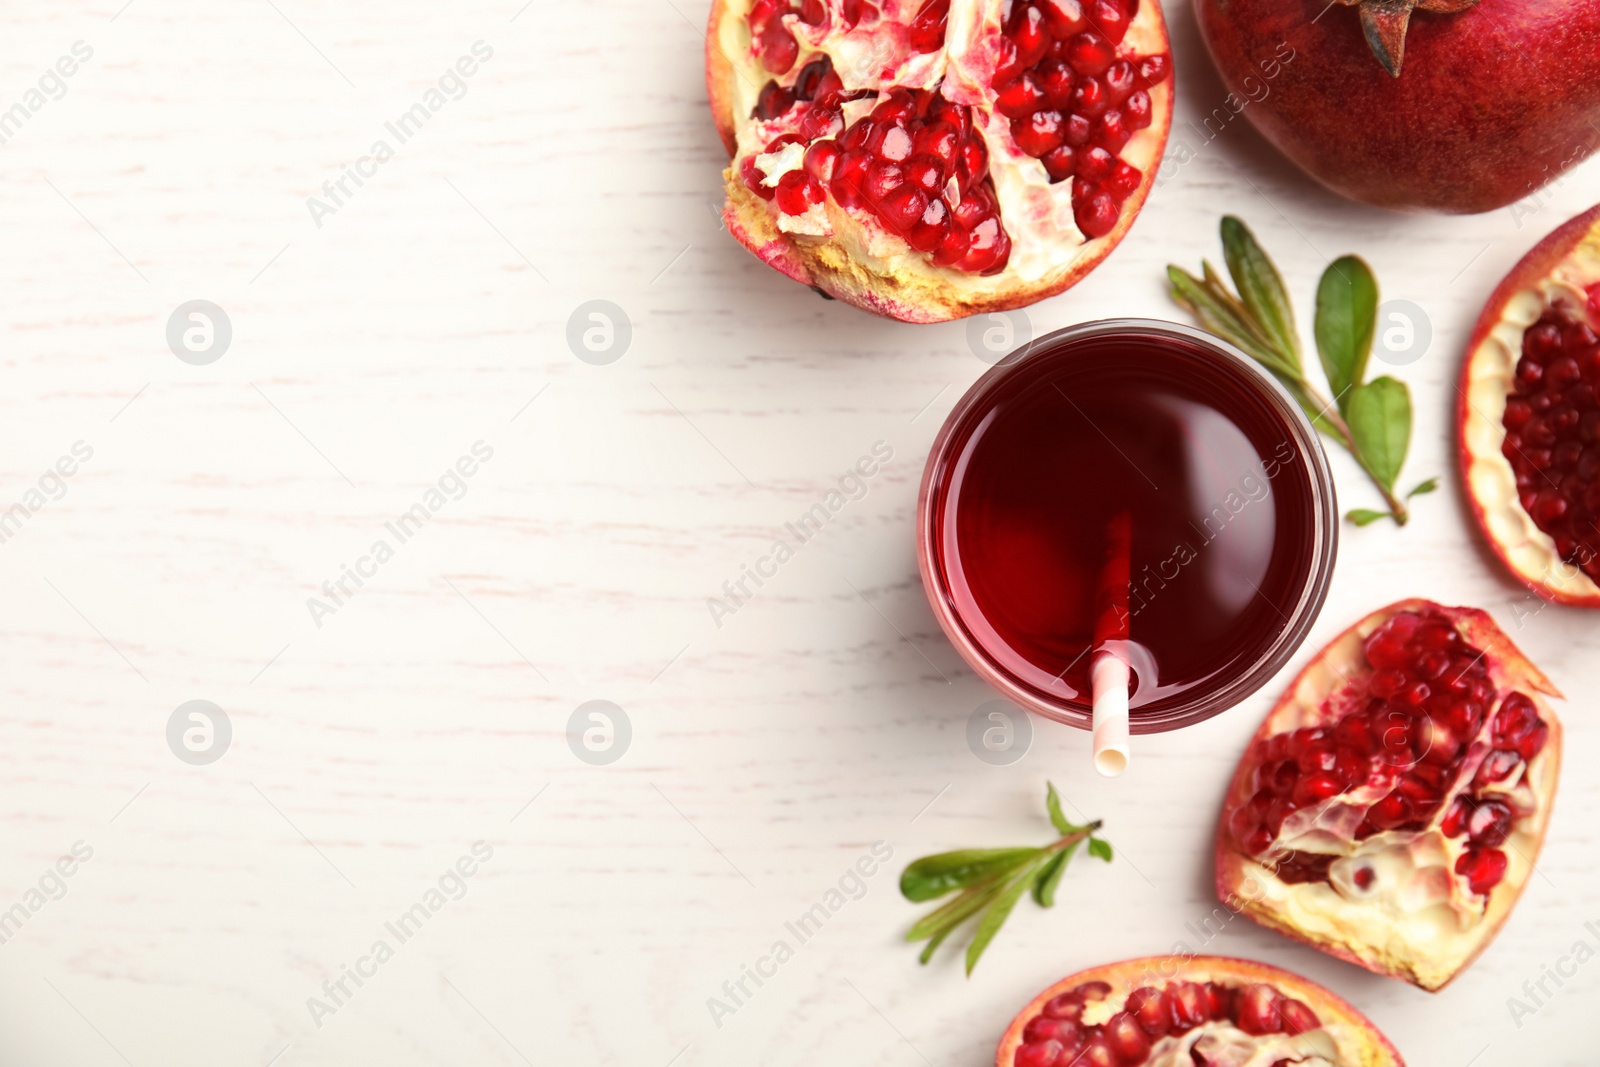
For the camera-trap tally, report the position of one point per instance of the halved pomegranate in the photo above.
(929, 159)
(1184, 1011)
(1529, 416)
(1390, 808)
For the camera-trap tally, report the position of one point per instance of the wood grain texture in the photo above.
(768, 753)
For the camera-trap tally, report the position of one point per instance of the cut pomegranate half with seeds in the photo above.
(981, 154)
(1390, 808)
(1190, 1011)
(1529, 416)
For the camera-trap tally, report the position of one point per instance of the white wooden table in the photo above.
(430, 710)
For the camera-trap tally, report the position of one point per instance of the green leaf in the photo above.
(1379, 415)
(1216, 316)
(1424, 487)
(952, 914)
(1100, 848)
(1347, 316)
(1261, 289)
(1366, 516)
(1044, 884)
(938, 939)
(934, 876)
(1052, 804)
(1004, 900)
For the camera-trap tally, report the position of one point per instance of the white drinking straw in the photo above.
(1108, 669)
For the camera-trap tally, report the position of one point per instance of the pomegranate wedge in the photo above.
(1390, 808)
(1184, 1011)
(929, 159)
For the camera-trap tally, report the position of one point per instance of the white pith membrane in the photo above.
(1491, 368)
(1416, 918)
(1342, 1037)
(849, 252)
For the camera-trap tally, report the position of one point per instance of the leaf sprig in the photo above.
(992, 880)
(1370, 420)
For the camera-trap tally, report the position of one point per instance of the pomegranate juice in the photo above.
(1230, 532)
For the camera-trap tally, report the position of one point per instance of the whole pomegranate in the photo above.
(1529, 416)
(1390, 809)
(929, 159)
(1442, 105)
(1193, 1011)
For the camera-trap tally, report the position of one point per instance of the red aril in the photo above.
(992, 107)
(1402, 786)
(1191, 1011)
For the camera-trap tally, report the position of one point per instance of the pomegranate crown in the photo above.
(1385, 23)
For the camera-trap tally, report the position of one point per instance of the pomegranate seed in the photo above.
(902, 208)
(779, 49)
(1455, 820)
(1489, 824)
(1364, 878)
(1297, 1017)
(896, 107)
(813, 12)
(939, 140)
(1039, 132)
(797, 191)
(973, 209)
(1065, 17)
(1059, 162)
(1258, 1010)
(1090, 53)
(772, 101)
(753, 177)
(1096, 165)
(1152, 1008)
(930, 231)
(810, 77)
(1153, 70)
(972, 165)
(1093, 991)
(1056, 80)
(1096, 1054)
(1095, 212)
(1136, 110)
(1044, 1028)
(989, 248)
(1006, 65)
(928, 28)
(1089, 98)
(849, 185)
(1219, 1000)
(1188, 1006)
(821, 159)
(1113, 132)
(1064, 1006)
(1078, 131)
(1021, 97)
(1315, 788)
(1119, 81)
(1126, 1038)
(1498, 766)
(1043, 1054)
(1109, 18)
(883, 179)
(1390, 811)
(1031, 33)
(926, 173)
(1482, 868)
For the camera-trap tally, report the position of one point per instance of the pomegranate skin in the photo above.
(1491, 103)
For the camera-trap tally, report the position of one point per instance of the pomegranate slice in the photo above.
(930, 159)
(1463, 106)
(1183, 1011)
(1529, 418)
(1390, 808)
